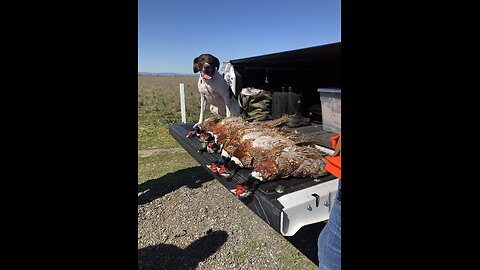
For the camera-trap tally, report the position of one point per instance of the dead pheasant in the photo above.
(229, 132)
(291, 161)
(271, 152)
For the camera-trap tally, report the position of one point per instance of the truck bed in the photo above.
(264, 201)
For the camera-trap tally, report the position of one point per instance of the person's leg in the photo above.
(329, 240)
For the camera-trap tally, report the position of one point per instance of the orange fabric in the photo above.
(333, 165)
(335, 140)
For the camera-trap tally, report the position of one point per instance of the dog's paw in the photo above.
(193, 131)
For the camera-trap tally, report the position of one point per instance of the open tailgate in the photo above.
(266, 201)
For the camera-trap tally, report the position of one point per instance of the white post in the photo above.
(182, 104)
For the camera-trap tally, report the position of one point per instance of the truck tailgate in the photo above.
(265, 201)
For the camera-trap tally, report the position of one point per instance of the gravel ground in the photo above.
(194, 222)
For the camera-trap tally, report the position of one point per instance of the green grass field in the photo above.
(158, 106)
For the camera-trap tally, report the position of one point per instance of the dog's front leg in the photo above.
(227, 101)
(203, 103)
(228, 111)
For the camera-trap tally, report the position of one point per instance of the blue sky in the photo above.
(172, 33)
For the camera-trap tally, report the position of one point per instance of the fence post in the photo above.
(182, 103)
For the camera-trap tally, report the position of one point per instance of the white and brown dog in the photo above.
(214, 89)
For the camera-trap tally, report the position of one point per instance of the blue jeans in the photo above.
(329, 240)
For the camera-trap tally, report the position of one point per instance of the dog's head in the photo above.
(207, 64)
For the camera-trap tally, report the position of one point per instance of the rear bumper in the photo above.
(307, 206)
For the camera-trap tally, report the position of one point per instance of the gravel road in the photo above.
(194, 222)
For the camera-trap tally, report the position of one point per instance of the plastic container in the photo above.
(331, 101)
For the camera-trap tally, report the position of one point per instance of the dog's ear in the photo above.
(216, 62)
(195, 64)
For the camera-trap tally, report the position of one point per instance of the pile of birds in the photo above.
(271, 151)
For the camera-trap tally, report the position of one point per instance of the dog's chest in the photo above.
(203, 88)
(210, 90)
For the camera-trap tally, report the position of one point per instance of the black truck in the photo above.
(291, 203)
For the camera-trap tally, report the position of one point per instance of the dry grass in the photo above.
(158, 106)
(160, 95)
